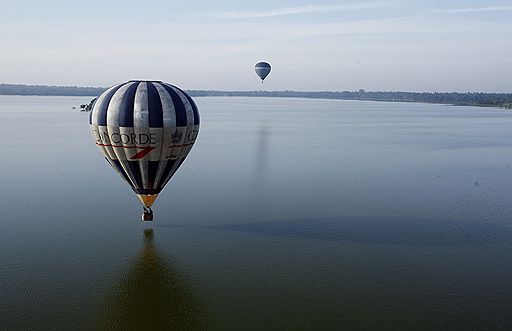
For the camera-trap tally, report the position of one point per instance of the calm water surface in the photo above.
(288, 214)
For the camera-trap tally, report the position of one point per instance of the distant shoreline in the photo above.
(479, 99)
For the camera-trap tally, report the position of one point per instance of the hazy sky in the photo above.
(459, 45)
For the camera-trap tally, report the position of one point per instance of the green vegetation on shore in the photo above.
(454, 98)
(19, 89)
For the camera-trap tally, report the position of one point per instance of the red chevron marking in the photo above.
(142, 153)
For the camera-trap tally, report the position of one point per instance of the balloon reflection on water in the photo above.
(152, 295)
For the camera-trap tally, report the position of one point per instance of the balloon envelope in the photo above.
(145, 129)
(262, 69)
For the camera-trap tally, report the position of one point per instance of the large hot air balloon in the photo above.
(262, 70)
(145, 129)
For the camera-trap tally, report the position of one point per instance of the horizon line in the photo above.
(258, 90)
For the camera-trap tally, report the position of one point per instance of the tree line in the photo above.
(19, 89)
(454, 98)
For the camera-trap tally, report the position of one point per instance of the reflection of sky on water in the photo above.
(263, 220)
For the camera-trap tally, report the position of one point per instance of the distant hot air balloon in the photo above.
(145, 129)
(262, 70)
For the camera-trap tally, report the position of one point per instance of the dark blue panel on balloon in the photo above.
(134, 169)
(126, 106)
(194, 106)
(117, 166)
(181, 113)
(103, 106)
(167, 169)
(156, 115)
(152, 170)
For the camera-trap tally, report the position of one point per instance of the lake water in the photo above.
(288, 214)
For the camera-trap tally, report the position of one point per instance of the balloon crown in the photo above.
(144, 80)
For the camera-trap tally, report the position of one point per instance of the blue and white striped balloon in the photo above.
(145, 129)
(262, 70)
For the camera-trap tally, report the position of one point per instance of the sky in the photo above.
(322, 45)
